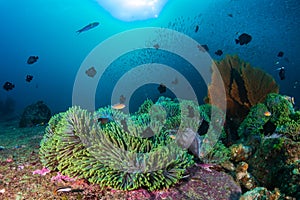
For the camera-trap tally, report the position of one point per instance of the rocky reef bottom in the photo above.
(22, 176)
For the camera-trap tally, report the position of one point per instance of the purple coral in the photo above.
(62, 178)
(42, 171)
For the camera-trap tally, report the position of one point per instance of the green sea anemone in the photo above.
(111, 155)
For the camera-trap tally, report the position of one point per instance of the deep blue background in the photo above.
(47, 28)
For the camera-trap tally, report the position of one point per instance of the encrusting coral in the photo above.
(245, 86)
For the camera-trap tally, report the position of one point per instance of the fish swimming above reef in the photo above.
(162, 88)
(196, 29)
(280, 54)
(203, 47)
(281, 73)
(32, 59)
(118, 106)
(91, 72)
(244, 38)
(219, 52)
(8, 86)
(290, 99)
(88, 27)
(29, 78)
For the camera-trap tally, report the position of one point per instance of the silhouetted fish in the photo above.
(8, 86)
(282, 73)
(32, 59)
(91, 72)
(29, 78)
(196, 29)
(162, 88)
(203, 47)
(219, 52)
(243, 39)
(88, 27)
(280, 54)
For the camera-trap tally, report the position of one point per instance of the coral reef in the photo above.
(244, 177)
(240, 152)
(284, 120)
(275, 165)
(76, 145)
(210, 184)
(260, 193)
(245, 86)
(273, 145)
(35, 114)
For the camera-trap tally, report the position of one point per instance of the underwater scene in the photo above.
(150, 99)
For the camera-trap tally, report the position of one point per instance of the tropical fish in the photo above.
(88, 27)
(64, 189)
(280, 54)
(219, 52)
(243, 39)
(29, 78)
(32, 59)
(8, 86)
(290, 99)
(203, 47)
(196, 29)
(118, 106)
(91, 72)
(162, 88)
(281, 73)
(267, 113)
(122, 98)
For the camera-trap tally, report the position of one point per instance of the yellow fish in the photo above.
(118, 106)
(267, 113)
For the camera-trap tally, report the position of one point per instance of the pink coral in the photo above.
(42, 172)
(59, 177)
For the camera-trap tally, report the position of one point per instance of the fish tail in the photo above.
(237, 41)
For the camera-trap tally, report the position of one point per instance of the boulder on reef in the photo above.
(35, 114)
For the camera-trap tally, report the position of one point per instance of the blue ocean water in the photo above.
(47, 29)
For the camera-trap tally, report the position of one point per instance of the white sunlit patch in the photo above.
(131, 10)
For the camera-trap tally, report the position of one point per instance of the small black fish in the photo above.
(282, 73)
(280, 54)
(230, 15)
(91, 72)
(204, 46)
(219, 52)
(162, 88)
(243, 39)
(29, 78)
(8, 86)
(32, 59)
(196, 29)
